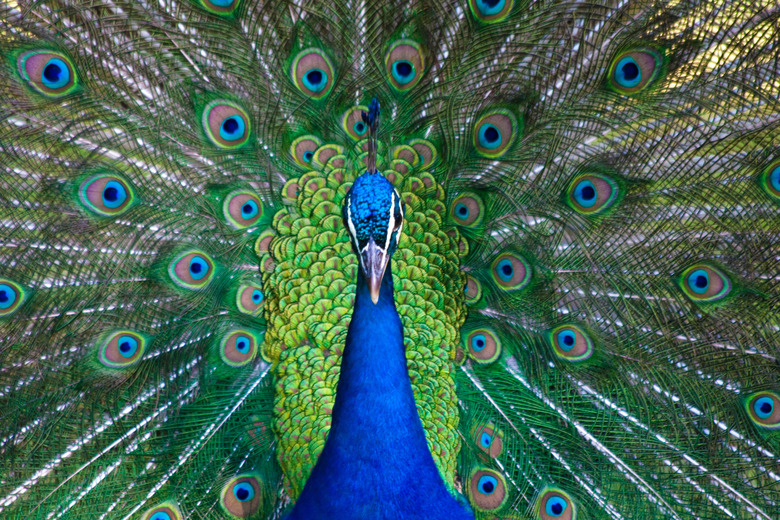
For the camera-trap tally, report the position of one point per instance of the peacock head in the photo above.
(374, 215)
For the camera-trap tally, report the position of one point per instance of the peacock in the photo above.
(389, 259)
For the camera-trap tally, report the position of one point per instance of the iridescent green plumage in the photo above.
(586, 276)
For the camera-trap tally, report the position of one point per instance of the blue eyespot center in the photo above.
(243, 344)
(7, 296)
(489, 136)
(487, 484)
(403, 71)
(485, 439)
(462, 210)
(249, 209)
(555, 506)
(699, 281)
(128, 346)
(198, 267)
(315, 80)
(307, 156)
(566, 340)
(232, 128)
(160, 515)
(222, 3)
(478, 342)
(359, 128)
(243, 491)
(764, 407)
(114, 194)
(490, 7)
(627, 73)
(774, 178)
(585, 193)
(55, 74)
(505, 270)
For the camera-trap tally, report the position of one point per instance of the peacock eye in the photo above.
(242, 209)
(703, 283)
(238, 348)
(121, 349)
(511, 272)
(49, 73)
(302, 149)
(472, 289)
(770, 180)
(591, 193)
(226, 124)
(764, 409)
(467, 210)
(106, 195)
(487, 490)
(249, 299)
(571, 343)
(490, 11)
(352, 122)
(192, 270)
(483, 345)
(165, 511)
(555, 504)
(312, 73)
(633, 71)
(11, 297)
(220, 7)
(241, 496)
(494, 132)
(489, 441)
(404, 64)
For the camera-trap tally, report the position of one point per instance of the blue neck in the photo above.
(375, 463)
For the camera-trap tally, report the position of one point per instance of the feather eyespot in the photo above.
(495, 132)
(592, 194)
(106, 195)
(352, 122)
(192, 270)
(472, 289)
(249, 299)
(122, 349)
(633, 71)
(242, 209)
(490, 11)
(164, 511)
(467, 210)
(703, 283)
(238, 348)
(312, 73)
(241, 496)
(220, 7)
(763, 408)
(555, 504)
(571, 343)
(426, 152)
(226, 124)
(51, 74)
(511, 272)
(770, 180)
(483, 345)
(11, 297)
(487, 489)
(404, 64)
(302, 149)
(488, 440)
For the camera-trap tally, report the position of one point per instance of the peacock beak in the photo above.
(373, 261)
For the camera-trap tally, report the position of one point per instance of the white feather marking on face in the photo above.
(391, 223)
(352, 230)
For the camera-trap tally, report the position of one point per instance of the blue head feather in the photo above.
(373, 209)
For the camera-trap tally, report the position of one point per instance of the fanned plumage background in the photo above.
(650, 413)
